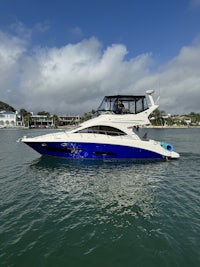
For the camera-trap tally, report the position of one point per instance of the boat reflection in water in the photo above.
(105, 193)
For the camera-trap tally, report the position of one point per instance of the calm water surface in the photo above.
(56, 212)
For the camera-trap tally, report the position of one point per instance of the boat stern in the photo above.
(174, 155)
(168, 148)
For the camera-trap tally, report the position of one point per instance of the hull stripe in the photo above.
(93, 151)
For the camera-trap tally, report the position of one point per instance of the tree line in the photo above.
(158, 117)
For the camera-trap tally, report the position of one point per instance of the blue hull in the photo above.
(92, 151)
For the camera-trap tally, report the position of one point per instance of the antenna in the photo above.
(158, 92)
(149, 93)
(157, 99)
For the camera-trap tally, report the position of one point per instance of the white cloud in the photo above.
(20, 30)
(75, 33)
(195, 3)
(74, 78)
(180, 78)
(11, 52)
(41, 27)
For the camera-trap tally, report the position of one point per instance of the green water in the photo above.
(55, 212)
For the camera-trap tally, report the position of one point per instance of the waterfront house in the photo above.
(9, 119)
(41, 121)
(66, 120)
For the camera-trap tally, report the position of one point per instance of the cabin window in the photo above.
(107, 130)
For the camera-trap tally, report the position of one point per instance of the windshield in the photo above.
(123, 104)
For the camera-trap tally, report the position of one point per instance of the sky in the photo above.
(64, 56)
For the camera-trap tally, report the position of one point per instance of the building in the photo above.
(67, 120)
(10, 119)
(41, 121)
(185, 120)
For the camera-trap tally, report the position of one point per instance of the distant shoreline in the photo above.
(68, 127)
(170, 127)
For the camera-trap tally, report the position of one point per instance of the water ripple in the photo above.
(91, 213)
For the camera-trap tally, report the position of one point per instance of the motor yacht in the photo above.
(111, 134)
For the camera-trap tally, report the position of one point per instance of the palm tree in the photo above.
(157, 117)
(25, 116)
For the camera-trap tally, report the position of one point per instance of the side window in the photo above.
(107, 130)
(110, 131)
